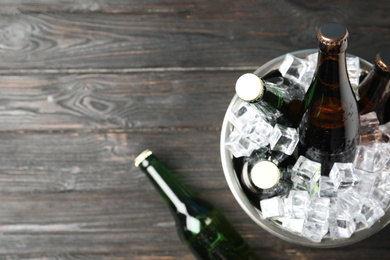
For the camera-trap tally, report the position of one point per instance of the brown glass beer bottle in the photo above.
(329, 128)
(374, 90)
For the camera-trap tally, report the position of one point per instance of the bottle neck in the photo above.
(184, 206)
(332, 69)
(174, 193)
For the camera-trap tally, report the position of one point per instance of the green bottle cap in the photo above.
(140, 158)
(249, 87)
(265, 174)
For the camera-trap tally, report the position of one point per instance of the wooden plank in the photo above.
(78, 196)
(101, 6)
(67, 162)
(131, 102)
(248, 36)
(185, 8)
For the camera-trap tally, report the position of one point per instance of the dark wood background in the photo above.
(87, 85)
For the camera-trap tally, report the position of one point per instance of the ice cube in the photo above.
(369, 129)
(293, 68)
(311, 61)
(294, 224)
(238, 144)
(315, 231)
(353, 68)
(370, 159)
(343, 175)
(349, 201)
(384, 184)
(380, 197)
(272, 207)
(341, 225)
(318, 210)
(371, 212)
(384, 131)
(284, 139)
(241, 114)
(366, 183)
(327, 187)
(258, 132)
(305, 174)
(267, 112)
(297, 203)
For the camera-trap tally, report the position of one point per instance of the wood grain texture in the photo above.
(132, 102)
(87, 85)
(246, 33)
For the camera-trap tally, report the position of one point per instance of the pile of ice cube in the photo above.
(354, 196)
(256, 125)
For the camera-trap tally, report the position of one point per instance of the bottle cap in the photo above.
(332, 34)
(140, 158)
(249, 87)
(382, 60)
(265, 174)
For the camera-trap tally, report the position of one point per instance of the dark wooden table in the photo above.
(87, 85)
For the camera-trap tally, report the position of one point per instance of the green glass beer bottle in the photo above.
(285, 98)
(200, 226)
(329, 128)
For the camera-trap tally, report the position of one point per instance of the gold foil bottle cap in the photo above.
(140, 158)
(249, 87)
(265, 174)
(332, 34)
(382, 60)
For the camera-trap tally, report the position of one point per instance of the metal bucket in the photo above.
(271, 226)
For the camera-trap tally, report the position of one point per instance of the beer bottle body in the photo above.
(329, 128)
(202, 227)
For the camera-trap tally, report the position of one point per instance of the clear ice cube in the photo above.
(284, 139)
(384, 131)
(366, 183)
(353, 68)
(273, 207)
(370, 159)
(384, 184)
(371, 212)
(343, 175)
(293, 68)
(349, 201)
(297, 203)
(267, 112)
(305, 174)
(315, 231)
(369, 129)
(258, 132)
(318, 210)
(294, 224)
(341, 225)
(380, 197)
(238, 144)
(241, 115)
(327, 187)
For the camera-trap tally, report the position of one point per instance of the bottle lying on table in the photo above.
(200, 226)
